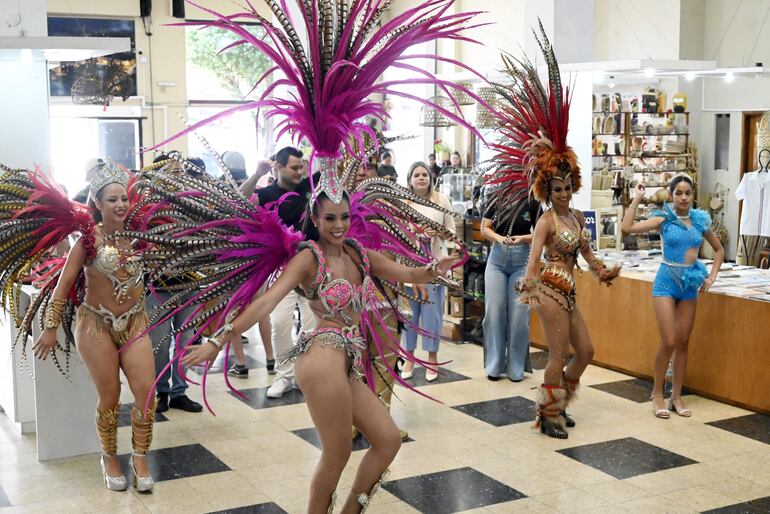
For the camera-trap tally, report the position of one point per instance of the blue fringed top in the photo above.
(677, 237)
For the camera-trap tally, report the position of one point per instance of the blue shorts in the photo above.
(669, 282)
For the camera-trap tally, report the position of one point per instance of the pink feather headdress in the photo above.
(331, 58)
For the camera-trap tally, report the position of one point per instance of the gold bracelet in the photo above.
(53, 313)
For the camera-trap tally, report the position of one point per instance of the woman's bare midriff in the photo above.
(99, 292)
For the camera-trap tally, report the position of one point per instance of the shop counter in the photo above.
(729, 352)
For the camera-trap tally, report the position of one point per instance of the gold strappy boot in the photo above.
(107, 430)
(141, 437)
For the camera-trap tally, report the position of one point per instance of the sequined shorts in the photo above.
(346, 339)
(121, 329)
(559, 284)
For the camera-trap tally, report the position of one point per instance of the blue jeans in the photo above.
(163, 351)
(506, 320)
(429, 317)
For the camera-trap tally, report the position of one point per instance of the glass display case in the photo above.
(458, 187)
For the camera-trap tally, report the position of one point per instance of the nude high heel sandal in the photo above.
(660, 413)
(684, 412)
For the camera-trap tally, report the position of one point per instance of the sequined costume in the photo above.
(676, 278)
(556, 281)
(337, 296)
(531, 157)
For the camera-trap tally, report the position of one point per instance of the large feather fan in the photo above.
(35, 216)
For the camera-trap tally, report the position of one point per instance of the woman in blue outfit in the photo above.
(506, 319)
(428, 316)
(680, 276)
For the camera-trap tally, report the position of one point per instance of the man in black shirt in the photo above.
(386, 168)
(292, 177)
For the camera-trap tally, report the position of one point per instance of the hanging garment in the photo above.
(754, 190)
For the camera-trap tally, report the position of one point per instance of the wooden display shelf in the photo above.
(729, 354)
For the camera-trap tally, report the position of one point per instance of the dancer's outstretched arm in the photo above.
(628, 226)
(297, 272)
(389, 270)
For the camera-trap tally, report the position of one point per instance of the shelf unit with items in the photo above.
(467, 309)
(646, 147)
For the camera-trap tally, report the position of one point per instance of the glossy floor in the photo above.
(475, 452)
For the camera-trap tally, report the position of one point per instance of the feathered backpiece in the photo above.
(533, 119)
(201, 235)
(35, 216)
(330, 55)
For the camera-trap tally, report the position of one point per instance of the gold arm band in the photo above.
(53, 313)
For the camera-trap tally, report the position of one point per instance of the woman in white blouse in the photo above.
(428, 316)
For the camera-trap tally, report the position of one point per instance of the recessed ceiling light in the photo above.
(689, 76)
(729, 76)
(649, 72)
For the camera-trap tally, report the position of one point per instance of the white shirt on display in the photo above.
(754, 190)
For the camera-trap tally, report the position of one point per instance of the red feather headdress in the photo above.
(533, 119)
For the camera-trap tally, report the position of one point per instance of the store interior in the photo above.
(659, 88)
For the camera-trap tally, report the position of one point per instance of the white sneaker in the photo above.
(279, 387)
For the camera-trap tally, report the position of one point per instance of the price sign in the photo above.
(591, 223)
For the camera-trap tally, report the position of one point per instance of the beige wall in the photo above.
(646, 29)
(161, 106)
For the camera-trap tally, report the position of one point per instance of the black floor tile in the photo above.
(451, 491)
(251, 363)
(4, 502)
(257, 398)
(539, 358)
(758, 506)
(634, 389)
(754, 426)
(180, 462)
(311, 436)
(124, 415)
(626, 458)
(262, 508)
(445, 376)
(505, 411)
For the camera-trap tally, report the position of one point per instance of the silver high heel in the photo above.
(365, 499)
(118, 483)
(142, 484)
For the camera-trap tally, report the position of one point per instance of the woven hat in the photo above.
(763, 132)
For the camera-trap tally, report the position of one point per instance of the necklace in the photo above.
(685, 217)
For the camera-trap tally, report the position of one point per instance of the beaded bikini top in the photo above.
(124, 272)
(337, 295)
(566, 242)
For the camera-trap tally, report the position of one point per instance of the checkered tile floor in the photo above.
(475, 452)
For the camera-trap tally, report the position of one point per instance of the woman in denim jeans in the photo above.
(428, 316)
(506, 320)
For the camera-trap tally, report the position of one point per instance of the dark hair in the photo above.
(676, 180)
(431, 155)
(323, 196)
(386, 155)
(159, 158)
(282, 155)
(198, 162)
(96, 214)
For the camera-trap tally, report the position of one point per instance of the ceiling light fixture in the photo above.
(689, 76)
(729, 77)
(649, 72)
